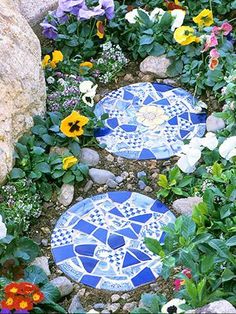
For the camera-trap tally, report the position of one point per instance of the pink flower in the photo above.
(187, 273)
(178, 283)
(210, 42)
(226, 28)
(214, 53)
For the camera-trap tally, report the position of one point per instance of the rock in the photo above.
(105, 312)
(141, 174)
(115, 307)
(89, 157)
(59, 150)
(64, 285)
(22, 84)
(88, 186)
(125, 296)
(99, 306)
(120, 160)
(44, 242)
(148, 78)
(75, 306)
(115, 298)
(42, 262)
(124, 174)
(221, 306)
(110, 158)
(141, 185)
(119, 179)
(111, 183)
(101, 176)
(214, 124)
(66, 194)
(148, 189)
(186, 205)
(129, 78)
(129, 306)
(155, 65)
(92, 311)
(170, 82)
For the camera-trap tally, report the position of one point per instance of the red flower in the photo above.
(213, 63)
(23, 303)
(187, 273)
(27, 288)
(173, 6)
(9, 303)
(12, 287)
(100, 29)
(37, 296)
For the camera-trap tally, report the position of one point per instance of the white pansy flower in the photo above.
(188, 158)
(173, 306)
(62, 82)
(178, 16)
(227, 149)
(50, 80)
(3, 229)
(132, 16)
(151, 116)
(88, 89)
(210, 141)
(156, 13)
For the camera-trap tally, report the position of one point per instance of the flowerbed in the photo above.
(90, 43)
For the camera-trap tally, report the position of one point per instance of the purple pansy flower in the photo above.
(21, 312)
(109, 7)
(5, 311)
(70, 6)
(49, 30)
(85, 13)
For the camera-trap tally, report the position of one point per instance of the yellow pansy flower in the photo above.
(68, 162)
(57, 56)
(86, 64)
(72, 125)
(45, 61)
(204, 18)
(100, 29)
(184, 35)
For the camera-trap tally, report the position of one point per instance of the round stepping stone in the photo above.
(148, 121)
(100, 241)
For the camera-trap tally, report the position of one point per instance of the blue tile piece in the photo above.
(159, 207)
(128, 233)
(115, 211)
(137, 228)
(115, 241)
(162, 238)
(141, 218)
(129, 260)
(88, 263)
(101, 235)
(136, 134)
(85, 249)
(100, 240)
(102, 132)
(85, 226)
(119, 197)
(91, 281)
(144, 277)
(140, 255)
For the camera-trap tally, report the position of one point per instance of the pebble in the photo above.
(214, 124)
(44, 242)
(141, 185)
(66, 194)
(148, 78)
(166, 163)
(110, 158)
(101, 176)
(155, 286)
(120, 160)
(124, 174)
(100, 190)
(81, 292)
(125, 296)
(148, 189)
(119, 179)
(63, 284)
(129, 78)
(89, 157)
(114, 307)
(88, 186)
(42, 262)
(75, 306)
(186, 205)
(155, 175)
(129, 186)
(111, 183)
(99, 306)
(105, 312)
(115, 298)
(129, 306)
(141, 174)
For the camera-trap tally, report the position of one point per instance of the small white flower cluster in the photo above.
(228, 92)
(111, 61)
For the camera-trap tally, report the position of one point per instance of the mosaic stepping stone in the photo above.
(149, 121)
(99, 241)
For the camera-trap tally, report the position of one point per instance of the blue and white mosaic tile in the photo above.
(99, 241)
(149, 121)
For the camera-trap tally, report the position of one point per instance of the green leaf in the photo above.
(221, 247)
(17, 173)
(162, 181)
(84, 169)
(42, 167)
(27, 246)
(157, 50)
(68, 177)
(75, 149)
(55, 117)
(46, 190)
(177, 191)
(207, 263)
(38, 150)
(49, 140)
(35, 275)
(154, 246)
(71, 28)
(39, 130)
(227, 275)
(231, 241)
(191, 289)
(217, 169)
(201, 288)
(165, 21)
(146, 40)
(188, 227)
(51, 293)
